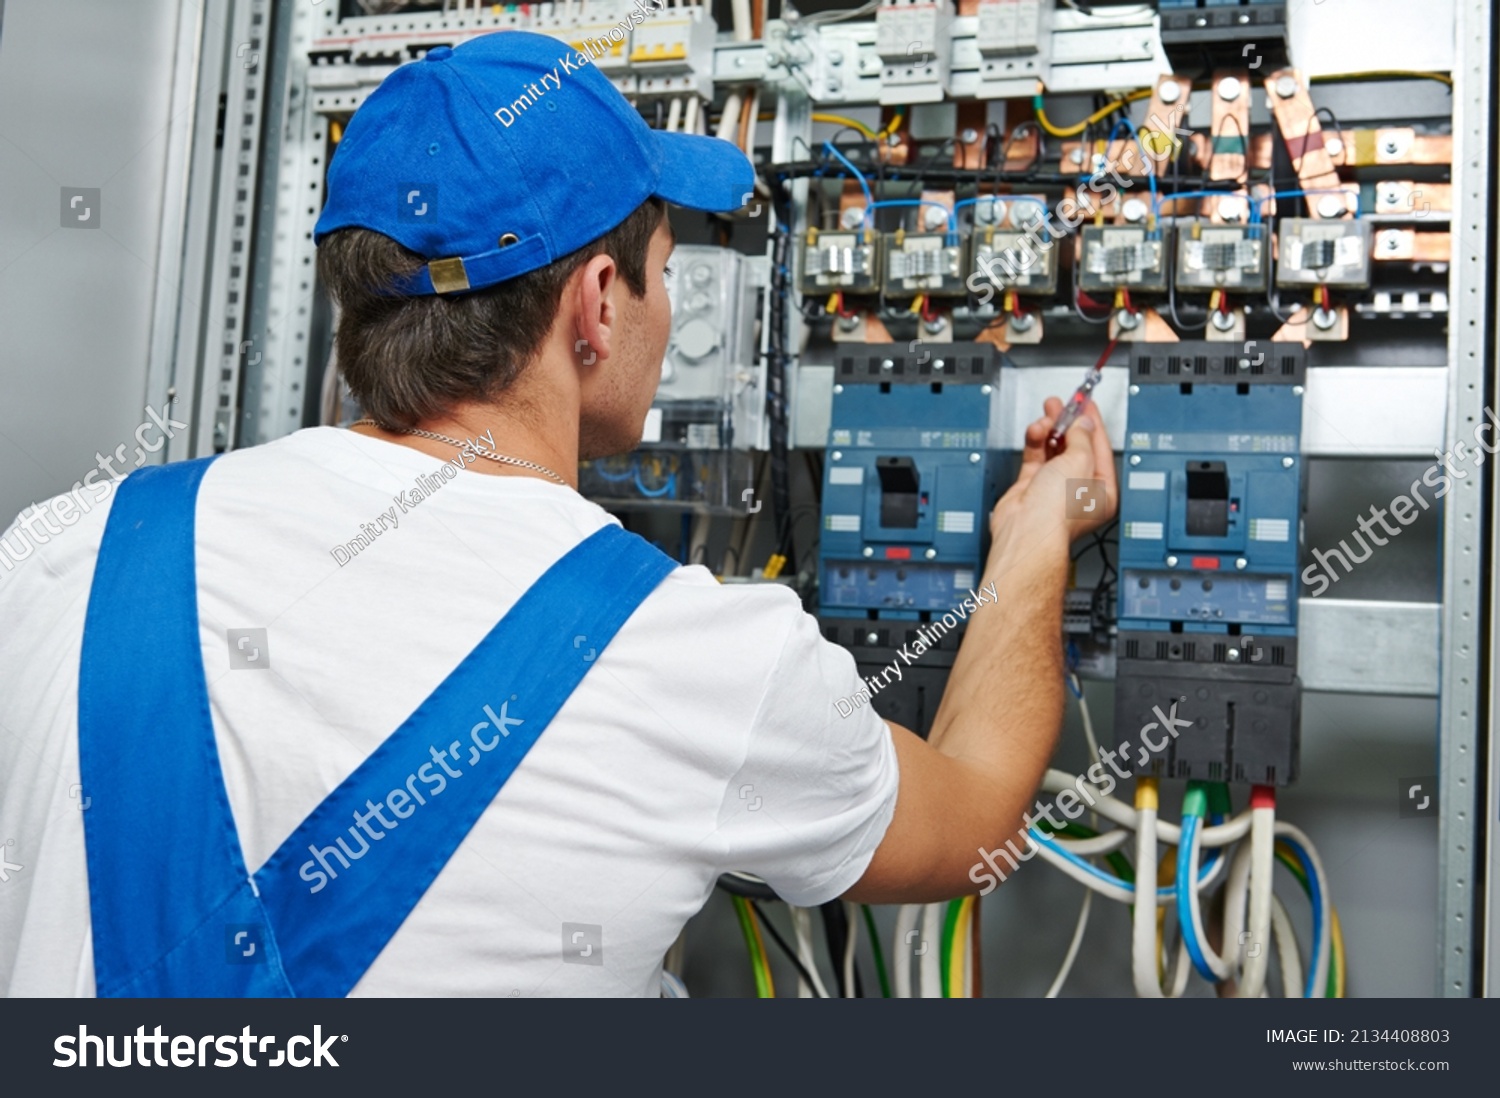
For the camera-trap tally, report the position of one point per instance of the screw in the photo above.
(1169, 92)
(974, 459)
(835, 57)
(933, 326)
(871, 638)
(986, 389)
(887, 364)
(837, 389)
(1330, 205)
(1392, 147)
(1127, 320)
(1076, 156)
(1324, 319)
(930, 554)
(852, 217)
(838, 455)
(1286, 86)
(1392, 243)
(848, 323)
(939, 364)
(867, 551)
(1242, 564)
(1135, 390)
(1171, 562)
(1135, 459)
(1233, 655)
(1296, 390)
(1223, 321)
(1287, 463)
(1334, 146)
(1229, 89)
(969, 136)
(1023, 323)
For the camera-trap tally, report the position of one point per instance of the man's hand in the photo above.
(1039, 498)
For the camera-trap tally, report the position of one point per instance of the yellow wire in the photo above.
(1330, 78)
(958, 958)
(760, 944)
(894, 124)
(1074, 131)
(1338, 948)
(918, 302)
(853, 124)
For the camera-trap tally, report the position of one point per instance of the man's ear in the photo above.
(593, 288)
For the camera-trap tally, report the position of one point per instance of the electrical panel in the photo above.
(1323, 251)
(1210, 529)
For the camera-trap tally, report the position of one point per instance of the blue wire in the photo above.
(1168, 893)
(1129, 127)
(653, 493)
(1315, 894)
(633, 471)
(859, 175)
(1184, 911)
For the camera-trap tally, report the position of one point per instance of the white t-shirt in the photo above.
(704, 738)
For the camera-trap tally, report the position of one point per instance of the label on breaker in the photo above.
(703, 436)
(1264, 529)
(1146, 531)
(842, 524)
(956, 522)
(1145, 481)
(847, 474)
(651, 432)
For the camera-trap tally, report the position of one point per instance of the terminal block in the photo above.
(1206, 680)
(924, 263)
(1326, 252)
(1213, 256)
(840, 260)
(914, 41)
(1121, 256)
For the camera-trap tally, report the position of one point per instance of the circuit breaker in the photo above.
(1206, 681)
(914, 39)
(909, 481)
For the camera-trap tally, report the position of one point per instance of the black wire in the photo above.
(791, 955)
(836, 930)
(776, 367)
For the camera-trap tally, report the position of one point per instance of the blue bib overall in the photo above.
(174, 911)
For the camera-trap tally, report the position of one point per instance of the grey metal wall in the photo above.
(85, 104)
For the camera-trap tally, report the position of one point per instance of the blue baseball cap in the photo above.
(507, 153)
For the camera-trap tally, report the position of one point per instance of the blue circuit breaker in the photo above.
(1210, 523)
(909, 480)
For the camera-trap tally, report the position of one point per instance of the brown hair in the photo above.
(407, 359)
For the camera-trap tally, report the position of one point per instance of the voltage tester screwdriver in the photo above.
(1057, 441)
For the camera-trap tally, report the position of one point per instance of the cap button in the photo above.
(440, 53)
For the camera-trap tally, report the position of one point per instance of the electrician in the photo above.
(393, 710)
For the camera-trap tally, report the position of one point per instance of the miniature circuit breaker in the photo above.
(1014, 39)
(1210, 526)
(909, 482)
(672, 53)
(914, 41)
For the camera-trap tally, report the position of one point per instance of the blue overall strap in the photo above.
(171, 902)
(168, 888)
(346, 879)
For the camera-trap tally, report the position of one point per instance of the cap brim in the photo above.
(703, 173)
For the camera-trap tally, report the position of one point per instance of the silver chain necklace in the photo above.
(503, 459)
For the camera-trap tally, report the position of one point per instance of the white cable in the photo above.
(1143, 922)
(754, 120)
(1322, 949)
(729, 121)
(1262, 862)
(1072, 955)
(690, 115)
(740, 9)
(1088, 723)
(1081, 875)
(930, 964)
(1235, 893)
(674, 114)
(1100, 844)
(672, 986)
(1183, 970)
(802, 925)
(851, 916)
(1286, 949)
(1117, 811)
(906, 926)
